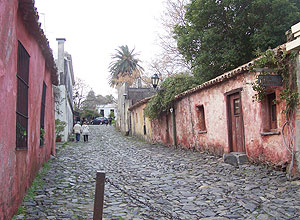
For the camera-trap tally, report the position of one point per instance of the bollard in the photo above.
(99, 196)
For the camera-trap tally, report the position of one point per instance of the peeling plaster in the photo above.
(1, 69)
(18, 167)
(264, 149)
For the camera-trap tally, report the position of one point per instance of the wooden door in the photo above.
(236, 125)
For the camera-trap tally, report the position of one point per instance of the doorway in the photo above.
(235, 122)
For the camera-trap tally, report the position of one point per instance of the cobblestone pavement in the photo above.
(178, 184)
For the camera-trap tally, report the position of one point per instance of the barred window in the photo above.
(22, 97)
(272, 114)
(43, 104)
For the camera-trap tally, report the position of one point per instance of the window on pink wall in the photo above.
(201, 118)
(22, 97)
(269, 112)
(272, 113)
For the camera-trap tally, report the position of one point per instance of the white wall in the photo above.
(107, 109)
(64, 112)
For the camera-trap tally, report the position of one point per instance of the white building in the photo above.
(64, 91)
(106, 110)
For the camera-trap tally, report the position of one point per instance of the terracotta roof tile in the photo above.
(30, 18)
(222, 78)
(139, 103)
(226, 76)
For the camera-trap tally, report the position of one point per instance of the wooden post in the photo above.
(99, 196)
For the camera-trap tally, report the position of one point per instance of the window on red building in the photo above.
(22, 97)
(269, 113)
(201, 118)
(43, 104)
(272, 113)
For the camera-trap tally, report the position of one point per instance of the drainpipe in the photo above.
(172, 110)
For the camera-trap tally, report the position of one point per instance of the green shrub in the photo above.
(59, 128)
(172, 86)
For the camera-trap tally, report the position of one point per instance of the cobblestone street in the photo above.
(178, 184)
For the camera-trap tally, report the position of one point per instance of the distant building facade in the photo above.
(107, 110)
(127, 97)
(64, 91)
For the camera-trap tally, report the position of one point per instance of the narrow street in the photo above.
(168, 184)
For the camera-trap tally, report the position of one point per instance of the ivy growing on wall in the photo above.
(281, 63)
(172, 86)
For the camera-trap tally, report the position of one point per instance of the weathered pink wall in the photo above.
(162, 130)
(19, 167)
(258, 148)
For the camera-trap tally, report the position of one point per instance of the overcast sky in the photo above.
(95, 28)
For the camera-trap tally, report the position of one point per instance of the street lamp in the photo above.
(154, 80)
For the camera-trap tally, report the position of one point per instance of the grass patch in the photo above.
(37, 183)
(117, 218)
(65, 144)
(21, 210)
(61, 147)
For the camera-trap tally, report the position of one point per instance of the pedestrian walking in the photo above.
(77, 130)
(85, 132)
(109, 120)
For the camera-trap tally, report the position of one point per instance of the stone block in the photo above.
(296, 28)
(293, 45)
(235, 158)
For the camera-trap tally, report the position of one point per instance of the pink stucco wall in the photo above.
(259, 148)
(19, 167)
(162, 130)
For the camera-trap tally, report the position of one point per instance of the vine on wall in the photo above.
(281, 63)
(172, 86)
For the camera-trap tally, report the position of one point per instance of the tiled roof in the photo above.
(222, 78)
(30, 18)
(139, 103)
(226, 76)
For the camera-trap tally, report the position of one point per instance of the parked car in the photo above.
(104, 120)
(100, 121)
(96, 121)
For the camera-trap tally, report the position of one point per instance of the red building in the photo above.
(27, 72)
(220, 116)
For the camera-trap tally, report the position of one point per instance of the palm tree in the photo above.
(124, 67)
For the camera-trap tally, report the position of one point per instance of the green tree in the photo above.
(89, 114)
(90, 101)
(219, 35)
(110, 99)
(124, 66)
(101, 100)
